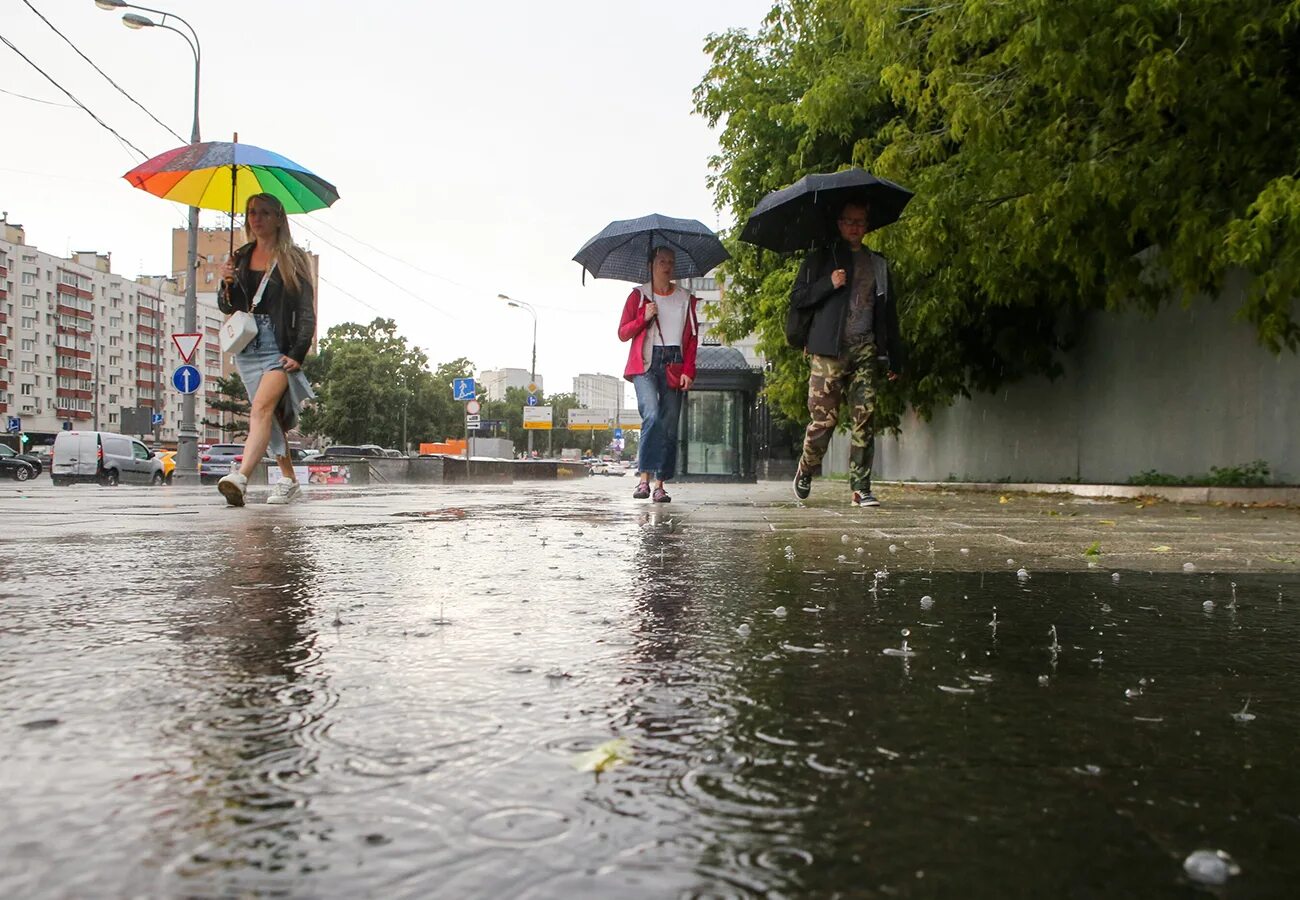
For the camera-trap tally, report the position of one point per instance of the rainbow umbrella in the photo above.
(222, 175)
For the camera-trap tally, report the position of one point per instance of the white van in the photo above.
(103, 457)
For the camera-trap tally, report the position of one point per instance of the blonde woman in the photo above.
(271, 278)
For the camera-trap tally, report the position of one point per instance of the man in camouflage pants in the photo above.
(845, 291)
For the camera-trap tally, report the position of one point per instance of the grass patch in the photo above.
(1252, 474)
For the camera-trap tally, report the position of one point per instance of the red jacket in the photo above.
(633, 327)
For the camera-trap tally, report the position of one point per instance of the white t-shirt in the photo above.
(671, 320)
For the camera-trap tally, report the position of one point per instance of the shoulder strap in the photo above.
(266, 278)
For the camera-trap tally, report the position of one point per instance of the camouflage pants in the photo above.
(831, 378)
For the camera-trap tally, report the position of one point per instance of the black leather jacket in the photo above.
(813, 290)
(293, 315)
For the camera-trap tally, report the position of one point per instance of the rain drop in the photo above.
(927, 602)
(1114, 576)
(742, 630)
(1189, 567)
(844, 539)
(893, 548)
(779, 612)
(1210, 867)
(1023, 574)
(1208, 606)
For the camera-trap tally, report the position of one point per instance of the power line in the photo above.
(68, 93)
(404, 290)
(37, 99)
(101, 71)
(404, 262)
(351, 295)
(451, 281)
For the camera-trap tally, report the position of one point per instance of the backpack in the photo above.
(798, 322)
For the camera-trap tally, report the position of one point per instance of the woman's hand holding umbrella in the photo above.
(651, 310)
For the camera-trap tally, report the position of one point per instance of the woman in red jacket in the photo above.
(660, 320)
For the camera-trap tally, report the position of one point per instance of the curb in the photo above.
(1237, 496)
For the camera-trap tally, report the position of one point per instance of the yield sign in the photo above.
(186, 343)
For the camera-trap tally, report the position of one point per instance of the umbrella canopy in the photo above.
(622, 249)
(223, 175)
(803, 214)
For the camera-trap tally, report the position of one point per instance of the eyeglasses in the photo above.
(854, 223)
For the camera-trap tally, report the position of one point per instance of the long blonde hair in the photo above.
(294, 266)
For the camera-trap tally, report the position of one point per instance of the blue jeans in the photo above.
(661, 412)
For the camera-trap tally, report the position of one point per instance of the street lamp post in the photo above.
(187, 444)
(532, 373)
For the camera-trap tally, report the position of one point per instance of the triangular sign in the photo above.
(187, 344)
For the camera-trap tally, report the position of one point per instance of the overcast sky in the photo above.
(482, 143)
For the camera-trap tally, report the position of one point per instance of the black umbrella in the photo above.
(622, 249)
(803, 214)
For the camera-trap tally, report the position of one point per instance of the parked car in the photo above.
(168, 458)
(16, 467)
(347, 450)
(9, 452)
(395, 454)
(215, 462)
(104, 457)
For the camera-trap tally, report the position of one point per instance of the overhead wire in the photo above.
(372, 269)
(37, 99)
(120, 89)
(109, 128)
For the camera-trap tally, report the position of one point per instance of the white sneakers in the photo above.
(285, 491)
(233, 487)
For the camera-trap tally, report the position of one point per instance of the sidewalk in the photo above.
(953, 527)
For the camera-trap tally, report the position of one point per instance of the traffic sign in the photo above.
(157, 418)
(472, 407)
(618, 434)
(532, 387)
(462, 388)
(186, 342)
(538, 417)
(186, 379)
(15, 424)
(472, 423)
(532, 399)
(67, 426)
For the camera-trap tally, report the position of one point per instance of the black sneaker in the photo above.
(802, 485)
(865, 498)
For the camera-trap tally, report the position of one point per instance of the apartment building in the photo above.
(78, 342)
(493, 383)
(597, 391)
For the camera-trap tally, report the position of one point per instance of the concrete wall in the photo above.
(1179, 392)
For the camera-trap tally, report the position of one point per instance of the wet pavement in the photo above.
(404, 693)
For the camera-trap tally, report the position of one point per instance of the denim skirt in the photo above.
(262, 355)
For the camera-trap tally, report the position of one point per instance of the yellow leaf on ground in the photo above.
(1004, 499)
(1110, 522)
(605, 757)
(1161, 549)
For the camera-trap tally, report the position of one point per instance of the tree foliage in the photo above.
(373, 387)
(1066, 157)
(231, 399)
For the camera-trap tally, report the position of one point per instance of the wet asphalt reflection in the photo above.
(401, 709)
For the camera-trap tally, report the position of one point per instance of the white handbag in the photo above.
(239, 329)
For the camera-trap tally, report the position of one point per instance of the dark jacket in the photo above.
(293, 315)
(830, 305)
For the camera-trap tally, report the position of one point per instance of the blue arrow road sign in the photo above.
(618, 434)
(532, 399)
(15, 424)
(186, 379)
(462, 388)
(157, 418)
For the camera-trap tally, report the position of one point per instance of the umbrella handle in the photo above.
(233, 172)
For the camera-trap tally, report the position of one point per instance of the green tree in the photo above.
(373, 387)
(1067, 158)
(232, 400)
